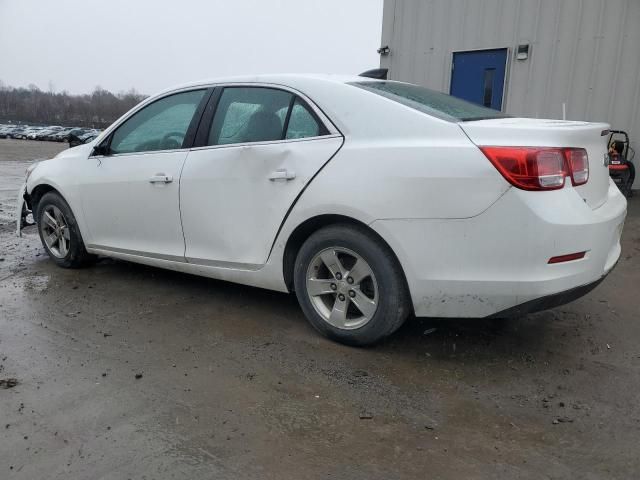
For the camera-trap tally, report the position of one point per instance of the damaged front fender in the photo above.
(24, 214)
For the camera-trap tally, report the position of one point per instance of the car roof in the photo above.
(286, 79)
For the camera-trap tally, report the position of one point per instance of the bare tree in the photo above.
(31, 105)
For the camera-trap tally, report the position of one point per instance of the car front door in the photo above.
(259, 147)
(130, 189)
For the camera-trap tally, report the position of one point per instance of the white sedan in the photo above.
(371, 199)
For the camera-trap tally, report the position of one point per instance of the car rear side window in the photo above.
(261, 114)
(161, 125)
(249, 114)
(302, 123)
(436, 104)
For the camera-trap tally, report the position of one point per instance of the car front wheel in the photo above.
(350, 285)
(59, 232)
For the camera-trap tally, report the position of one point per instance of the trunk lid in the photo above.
(530, 132)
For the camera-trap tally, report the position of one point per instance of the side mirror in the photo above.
(102, 149)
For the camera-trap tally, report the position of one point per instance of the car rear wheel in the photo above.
(59, 232)
(350, 285)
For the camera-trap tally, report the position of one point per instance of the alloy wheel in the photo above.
(55, 231)
(342, 288)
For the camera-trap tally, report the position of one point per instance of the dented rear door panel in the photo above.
(233, 198)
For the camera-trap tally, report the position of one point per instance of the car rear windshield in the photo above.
(428, 101)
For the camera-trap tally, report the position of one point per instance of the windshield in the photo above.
(428, 101)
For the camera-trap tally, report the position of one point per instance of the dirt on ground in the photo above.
(126, 371)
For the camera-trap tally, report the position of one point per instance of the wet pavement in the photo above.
(126, 371)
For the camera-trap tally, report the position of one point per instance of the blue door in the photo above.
(478, 76)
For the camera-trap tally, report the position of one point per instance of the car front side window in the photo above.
(162, 125)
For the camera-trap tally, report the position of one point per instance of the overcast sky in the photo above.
(76, 45)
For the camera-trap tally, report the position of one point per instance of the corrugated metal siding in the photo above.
(585, 53)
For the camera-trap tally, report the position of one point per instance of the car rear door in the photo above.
(256, 150)
(130, 191)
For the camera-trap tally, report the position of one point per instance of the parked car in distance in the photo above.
(75, 135)
(84, 138)
(50, 134)
(370, 199)
(31, 135)
(54, 133)
(33, 132)
(18, 133)
(87, 137)
(55, 136)
(61, 135)
(9, 130)
(44, 133)
(4, 131)
(25, 131)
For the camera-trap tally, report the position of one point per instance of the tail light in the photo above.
(578, 165)
(539, 168)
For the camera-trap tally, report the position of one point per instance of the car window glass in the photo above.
(249, 114)
(302, 123)
(437, 104)
(161, 125)
(282, 114)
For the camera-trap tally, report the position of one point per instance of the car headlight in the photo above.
(30, 169)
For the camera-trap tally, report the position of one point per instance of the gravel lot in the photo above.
(234, 383)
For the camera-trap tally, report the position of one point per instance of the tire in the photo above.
(355, 305)
(67, 249)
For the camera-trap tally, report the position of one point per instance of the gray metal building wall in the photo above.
(585, 53)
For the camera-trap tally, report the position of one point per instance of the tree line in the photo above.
(97, 109)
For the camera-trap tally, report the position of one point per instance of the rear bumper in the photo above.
(549, 301)
(497, 261)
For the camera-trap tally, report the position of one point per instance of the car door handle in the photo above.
(161, 178)
(282, 175)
